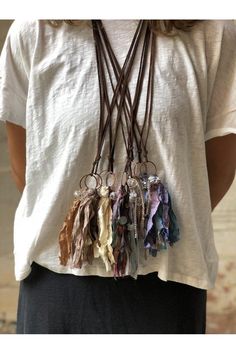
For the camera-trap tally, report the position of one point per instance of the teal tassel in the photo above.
(163, 228)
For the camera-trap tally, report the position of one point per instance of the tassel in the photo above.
(162, 228)
(134, 254)
(65, 238)
(117, 201)
(105, 229)
(146, 202)
(120, 240)
(85, 230)
(173, 227)
(133, 225)
(109, 225)
(170, 230)
(152, 204)
(137, 190)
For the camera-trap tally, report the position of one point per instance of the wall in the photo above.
(9, 198)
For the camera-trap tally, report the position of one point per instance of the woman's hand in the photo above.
(221, 165)
(16, 138)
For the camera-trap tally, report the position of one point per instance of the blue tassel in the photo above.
(164, 228)
(120, 240)
(173, 227)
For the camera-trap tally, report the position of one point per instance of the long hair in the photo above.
(166, 27)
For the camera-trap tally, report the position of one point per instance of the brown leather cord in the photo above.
(149, 97)
(110, 157)
(123, 78)
(103, 99)
(121, 90)
(126, 76)
(138, 90)
(126, 110)
(116, 68)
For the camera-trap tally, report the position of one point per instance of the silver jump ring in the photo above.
(153, 164)
(91, 175)
(109, 173)
(122, 178)
(135, 167)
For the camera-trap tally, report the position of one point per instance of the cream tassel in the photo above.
(105, 250)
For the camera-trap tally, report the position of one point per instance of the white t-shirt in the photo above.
(49, 85)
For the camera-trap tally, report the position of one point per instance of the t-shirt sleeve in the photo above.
(221, 116)
(13, 78)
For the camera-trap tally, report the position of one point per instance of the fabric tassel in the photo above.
(117, 201)
(162, 228)
(146, 202)
(85, 230)
(133, 226)
(139, 190)
(109, 225)
(152, 202)
(65, 235)
(173, 227)
(104, 249)
(170, 231)
(120, 240)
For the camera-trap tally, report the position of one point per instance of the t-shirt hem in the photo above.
(22, 275)
(187, 280)
(204, 284)
(12, 119)
(214, 133)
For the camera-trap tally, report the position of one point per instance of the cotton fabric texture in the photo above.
(49, 86)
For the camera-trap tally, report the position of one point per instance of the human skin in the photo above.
(221, 166)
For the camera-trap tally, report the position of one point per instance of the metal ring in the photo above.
(91, 175)
(143, 163)
(100, 178)
(101, 173)
(122, 179)
(107, 176)
(135, 166)
(107, 172)
(151, 162)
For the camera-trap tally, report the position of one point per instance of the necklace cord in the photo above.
(102, 45)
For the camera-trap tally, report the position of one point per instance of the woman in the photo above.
(54, 86)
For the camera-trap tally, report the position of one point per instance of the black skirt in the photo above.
(52, 303)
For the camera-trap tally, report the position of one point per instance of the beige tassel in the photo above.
(84, 233)
(104, 250)
(65, 235)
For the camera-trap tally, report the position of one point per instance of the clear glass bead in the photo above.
(113, 196)
(76, 194)
(132, 183)
(123, 220)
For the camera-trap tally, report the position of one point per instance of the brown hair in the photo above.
(165, 27)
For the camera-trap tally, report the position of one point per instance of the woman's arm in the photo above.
(16, 138)
(221, 165)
